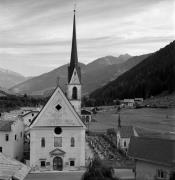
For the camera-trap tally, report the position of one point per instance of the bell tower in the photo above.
(74, 74)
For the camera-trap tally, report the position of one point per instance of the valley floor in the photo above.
(150, 119)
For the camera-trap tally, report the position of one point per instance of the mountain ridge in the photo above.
(94, 75)
(151, 77)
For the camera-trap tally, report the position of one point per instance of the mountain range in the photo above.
(94, 75)
(153, 76)
(10, 78)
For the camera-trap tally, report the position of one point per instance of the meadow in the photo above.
(156, 119)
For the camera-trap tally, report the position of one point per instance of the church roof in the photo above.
(58, 111)
(126, 131)
(74, 55)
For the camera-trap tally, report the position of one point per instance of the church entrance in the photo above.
(58, 164)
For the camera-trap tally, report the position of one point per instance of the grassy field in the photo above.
(161, 120)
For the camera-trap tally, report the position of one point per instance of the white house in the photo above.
(154, 158)
(12, 138)
(129, 103)
(57, 135)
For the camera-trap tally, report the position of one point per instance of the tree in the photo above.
(98, 171)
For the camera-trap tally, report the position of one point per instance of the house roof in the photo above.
(30, 112)
(5, 125)
(12, 168)
(50, 116)
(126, 131)
(85, 112)
(153, 150)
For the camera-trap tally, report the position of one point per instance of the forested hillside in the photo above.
(151, 77)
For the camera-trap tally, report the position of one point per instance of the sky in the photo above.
(35, 35)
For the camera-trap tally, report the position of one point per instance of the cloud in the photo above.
(36, 35)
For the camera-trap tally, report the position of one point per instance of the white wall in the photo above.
(13, 148)
(37, 152)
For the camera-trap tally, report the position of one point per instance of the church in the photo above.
(57, 136)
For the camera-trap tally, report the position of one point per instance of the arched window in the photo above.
(74, 93)
(43, 142)
(72, 142)
(124, 143)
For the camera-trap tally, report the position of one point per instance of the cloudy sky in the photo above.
(35, 35)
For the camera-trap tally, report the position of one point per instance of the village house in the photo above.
(154, 158)
(57, 135)
(86, 116)
(129, 103)
(12, 138)
(124, 134)
(28, 117)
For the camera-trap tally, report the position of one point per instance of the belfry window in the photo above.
(74, 93)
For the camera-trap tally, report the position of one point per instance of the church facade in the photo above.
(57, 136)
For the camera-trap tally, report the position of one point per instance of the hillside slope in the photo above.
(151, 77)
(94, 75)
(9, 78)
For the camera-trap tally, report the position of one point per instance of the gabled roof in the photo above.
(30, 112)
(12, 168)
(5, 125)
(153, 150)
(126, 131)
(50, 116)
(85, 112)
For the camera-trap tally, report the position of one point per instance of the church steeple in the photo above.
(74, 55)
(74, 74)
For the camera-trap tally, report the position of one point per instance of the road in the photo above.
(55, 176)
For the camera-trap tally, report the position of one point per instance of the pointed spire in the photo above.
(74, 54)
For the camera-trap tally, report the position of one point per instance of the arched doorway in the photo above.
(58, 164)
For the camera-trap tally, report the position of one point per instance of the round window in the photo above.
(58, 130)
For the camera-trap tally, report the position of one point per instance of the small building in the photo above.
(154, 158)
(86, 116)
(11, 169)
(129, 103)
(138, 102)
(28, 117)
(12, 138)
(124, 134)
